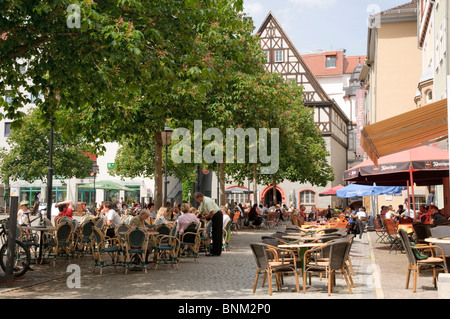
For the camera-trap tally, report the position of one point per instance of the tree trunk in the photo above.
(255, 183)
(158, 171)
(222, 198)
(274, 190)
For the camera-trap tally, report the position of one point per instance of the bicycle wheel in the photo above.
(22, 258)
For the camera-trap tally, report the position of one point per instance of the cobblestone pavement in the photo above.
(378, 274)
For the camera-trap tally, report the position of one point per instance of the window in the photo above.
(59, 194)
(131, 197)
(7, 129)
(429, 96)
(330, 61)
(87, 196)
(308, 197)
(419, 201)
(279, 56)
(30, 194)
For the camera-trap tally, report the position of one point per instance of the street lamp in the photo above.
(95, 170)
(166, 136)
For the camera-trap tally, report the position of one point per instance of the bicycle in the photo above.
(22, 253)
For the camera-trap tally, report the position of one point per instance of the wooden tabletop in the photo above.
(301, 245)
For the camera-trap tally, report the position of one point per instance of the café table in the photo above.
(443, 240)
(407, 227)
(41, 229)
(301, 249)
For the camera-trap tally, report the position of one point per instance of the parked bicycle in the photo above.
(22, 255)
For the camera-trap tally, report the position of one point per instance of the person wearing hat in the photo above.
(23, 215)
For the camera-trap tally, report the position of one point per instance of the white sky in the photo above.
(321, 24)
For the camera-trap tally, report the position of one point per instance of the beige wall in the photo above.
(398, 69)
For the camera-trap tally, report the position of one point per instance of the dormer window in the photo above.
(330, 62)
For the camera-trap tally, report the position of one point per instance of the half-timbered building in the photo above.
(283, 58)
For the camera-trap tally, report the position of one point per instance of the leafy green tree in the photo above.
(28, 153)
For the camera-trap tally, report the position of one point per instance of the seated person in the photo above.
(187, 217)
(438, 216)
(139, 220)
(65, 209)
(254, 216)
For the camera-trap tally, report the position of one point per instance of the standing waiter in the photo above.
(213, 212)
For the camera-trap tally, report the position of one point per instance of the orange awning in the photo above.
(424, 125)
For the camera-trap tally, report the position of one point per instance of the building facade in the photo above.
(283, 58)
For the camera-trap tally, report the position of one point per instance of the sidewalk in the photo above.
(378, 275)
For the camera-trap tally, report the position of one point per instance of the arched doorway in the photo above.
(267, 196)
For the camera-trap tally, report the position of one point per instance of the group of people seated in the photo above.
(430, 214)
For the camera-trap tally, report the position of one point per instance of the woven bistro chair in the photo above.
(167, 248)
(338, 255)
(103, 248)
(86, 233)
(190, 241)
(136, 242)
(418, 261)
(60, 242)
(272, 260)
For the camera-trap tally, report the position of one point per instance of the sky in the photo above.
(321, 24)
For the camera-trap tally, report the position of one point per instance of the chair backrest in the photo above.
(330, 230)
(377, 223)
(163, 229)
(122, 229)
(270, 240)
(236, 216)
(99, 223)
(86, 229)
(260, 254)
(407, 246)
(279, 235)
(338, 253)
(136, 238)
(440, 231)
(63, 232)
(191, 228)
(422, 231)
(390, 226)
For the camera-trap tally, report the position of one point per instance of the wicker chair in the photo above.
(271, 260)
(190, 241)
(136, 242)
(167, 247)
(415, 263)
(338, 256)
(86, 233)
(103, 247)
(61, 242)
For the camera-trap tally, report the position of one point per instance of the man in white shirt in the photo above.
(213, 212)
(112, 219)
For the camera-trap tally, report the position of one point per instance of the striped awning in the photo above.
(424, 125)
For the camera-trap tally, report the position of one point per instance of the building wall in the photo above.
(398, 69)
(441, 36)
